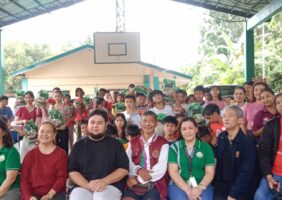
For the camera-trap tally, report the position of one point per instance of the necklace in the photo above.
(97, 140)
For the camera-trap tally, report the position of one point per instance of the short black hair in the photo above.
(154, 92)
(130, 97)
(111, 130)
(199, 88)
(79, 89)
(2, 98)
(131, 85)
(84, 121)
(99, 100)
(102, 90)
(180, 91)
(150, 113)
(250, 83)
(67, 95)
(100, 112)
(140, 94)
(132, 130)
(170, 119)
(211, 109)
(203, 130)
(56, 88)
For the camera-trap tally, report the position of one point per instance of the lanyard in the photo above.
(190, 157)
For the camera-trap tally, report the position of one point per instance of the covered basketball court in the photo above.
(255, 12)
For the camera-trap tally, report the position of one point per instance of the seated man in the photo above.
(97, 170)
(236, 159)
(148, 155)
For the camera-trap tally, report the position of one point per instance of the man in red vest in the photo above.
(148, 155)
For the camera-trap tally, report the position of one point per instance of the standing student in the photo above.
(240, 96)
(212, 114)
(180, 106)
(249, 88)
(5, 111)
(236, 159)
(62, 136)
(267, 113)
(270, 156)
(216, 98)
(170, 129)
(191, 165)
(141, 105)
(252, 108)
(25, 114)
(120, 124)
(132, 117)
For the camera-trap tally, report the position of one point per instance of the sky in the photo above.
(169, 31)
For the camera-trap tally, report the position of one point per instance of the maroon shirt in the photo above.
(42, 172)
(261, 118)
(24, 114)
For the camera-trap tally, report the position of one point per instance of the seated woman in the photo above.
(44, 168)
(191, 165)
(98, 163)
(9, 165)
(270, 156)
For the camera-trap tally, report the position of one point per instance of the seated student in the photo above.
(141, 105)
(44, 169)
(270, 156)
(132, 117)
(9, 165)
(98, 164)
(170, 129)
(147, 155)
(131, 131)
(236, 159)
(212, 114)
(112, 132)
(204, 134)
(191, 165)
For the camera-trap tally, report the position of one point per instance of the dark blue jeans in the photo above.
(264, 192)
(153, 194)
(175, 193)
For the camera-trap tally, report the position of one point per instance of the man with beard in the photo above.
(98, 164)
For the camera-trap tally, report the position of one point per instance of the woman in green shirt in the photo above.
(191, 165)
(9, 165)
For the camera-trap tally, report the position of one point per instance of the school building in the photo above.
(76, 68)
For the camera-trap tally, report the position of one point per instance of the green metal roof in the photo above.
(12, 11)
(88, 46)
(243, 8)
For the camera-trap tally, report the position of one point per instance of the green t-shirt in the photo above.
(9, 160)
(203, 156)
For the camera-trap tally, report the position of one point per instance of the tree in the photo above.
(222, 52)
(18, 55)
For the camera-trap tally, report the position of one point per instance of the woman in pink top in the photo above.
(252, 108)
(215, 97)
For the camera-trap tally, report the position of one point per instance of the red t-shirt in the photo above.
(40, 172)
(216, 128)
(24, 114)
(277, 166)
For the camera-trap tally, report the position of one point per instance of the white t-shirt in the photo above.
(167, 110)
(133, 118)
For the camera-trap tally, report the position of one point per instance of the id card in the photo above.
(192, 181)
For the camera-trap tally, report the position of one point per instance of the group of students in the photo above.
(138, 146)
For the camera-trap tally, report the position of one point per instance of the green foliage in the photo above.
(18, 55)
(222, 52)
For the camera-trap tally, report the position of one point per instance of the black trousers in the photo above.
(221, 191)
(62, 139)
